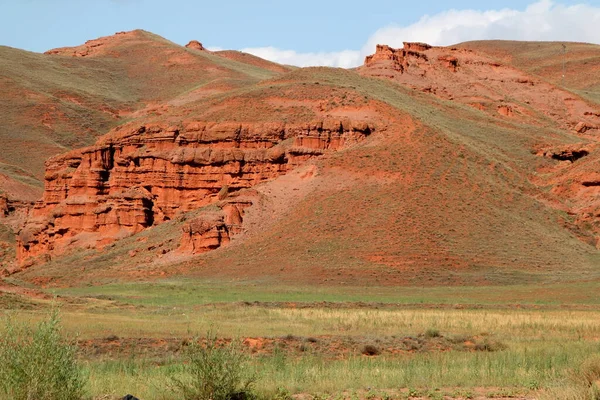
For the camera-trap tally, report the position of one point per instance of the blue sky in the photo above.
(334, 32)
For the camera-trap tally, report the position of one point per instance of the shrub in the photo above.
(370, 350)
(490, 345)
(214, 372)
(39, 363)
(432, 333)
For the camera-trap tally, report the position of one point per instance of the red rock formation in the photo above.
(204, 233)
(386, 53)
(396, 59)
(416, 46)
(3, 206)
(570, 153)
(505, 110)
(449, 62)
(138, 177)
(196, 45)
(214, 228)
(472, 78)
(583, 127)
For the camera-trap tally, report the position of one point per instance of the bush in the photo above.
(489, 345)
(432, 333)
(39, 363)
(214, 372)
(370, 350)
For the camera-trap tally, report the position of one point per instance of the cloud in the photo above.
(343, 59)
(542, 20)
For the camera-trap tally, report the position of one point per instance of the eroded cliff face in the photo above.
(139, 176)
(476, 80)
(216, 226)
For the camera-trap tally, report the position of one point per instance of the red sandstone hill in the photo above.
(67, 98)
(425, 166)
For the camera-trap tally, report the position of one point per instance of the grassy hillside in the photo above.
(545, 59)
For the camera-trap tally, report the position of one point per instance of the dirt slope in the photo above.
(545, 59)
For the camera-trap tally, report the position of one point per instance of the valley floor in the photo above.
(340, 343)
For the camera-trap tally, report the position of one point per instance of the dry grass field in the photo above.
(523, 342)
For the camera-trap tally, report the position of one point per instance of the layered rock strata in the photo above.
(215, 227)
(140, 176)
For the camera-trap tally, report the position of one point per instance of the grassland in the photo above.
(539, 336)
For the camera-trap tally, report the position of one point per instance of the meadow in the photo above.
(474, 342)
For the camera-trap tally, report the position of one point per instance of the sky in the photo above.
(308, 32)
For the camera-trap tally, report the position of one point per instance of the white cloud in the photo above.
(542, 20)
(343, 59)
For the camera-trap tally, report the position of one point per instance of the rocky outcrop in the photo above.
(583, 127)
(215, 227)
(196, 45)
(3, 206)
(140, 176)
(204, 233)
(450, 62)
(570, 153)
(416, 46)
(506, 111)
(397, 59)
(479, 81)
(13, 212)
(96, 46)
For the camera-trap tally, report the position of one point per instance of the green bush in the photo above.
(39, 363)
(214, 372)
(432, 333)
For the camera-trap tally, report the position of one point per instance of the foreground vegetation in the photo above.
(137, 339)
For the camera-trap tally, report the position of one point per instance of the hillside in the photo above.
(580, 62)
(426, 166)
(67, 98)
